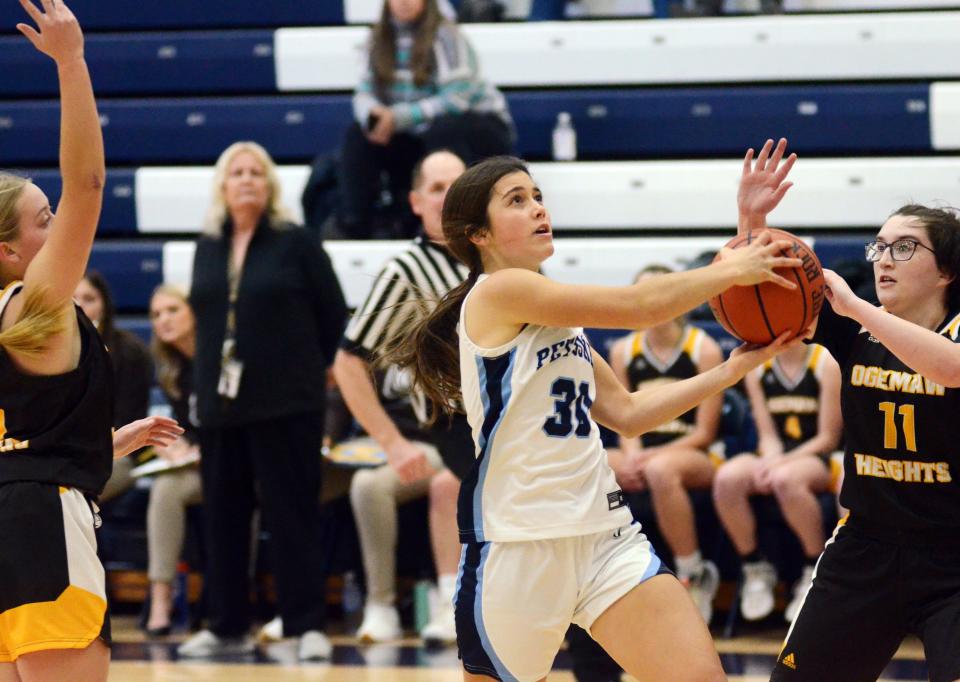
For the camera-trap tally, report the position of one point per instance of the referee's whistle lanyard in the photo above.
(231, 367)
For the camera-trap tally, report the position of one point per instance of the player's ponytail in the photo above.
(431, 350)
(38, 321)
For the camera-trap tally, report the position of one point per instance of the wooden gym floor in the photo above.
(746, 659)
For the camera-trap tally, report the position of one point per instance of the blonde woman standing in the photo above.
(270, 315)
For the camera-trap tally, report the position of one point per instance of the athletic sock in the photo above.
(689, 565)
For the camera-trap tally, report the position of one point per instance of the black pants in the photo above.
(280, 460)
(470, 136)
(870, 590)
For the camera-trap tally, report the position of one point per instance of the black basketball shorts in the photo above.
(869, 591)
(52, 587)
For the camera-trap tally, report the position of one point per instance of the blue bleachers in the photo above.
(124, 15)
(181, 130)
(132, 268)
(160, 63)
(119, 213)
(635, 123)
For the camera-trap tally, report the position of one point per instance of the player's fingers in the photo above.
(764, 154)
(32, 10)
(748, 161)
(30, 34)
(778, 152)
(781, 190)
(784, 170)
(784, 262)
(782, 281)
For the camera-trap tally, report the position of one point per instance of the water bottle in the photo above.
(564, 139)
(421, 604)
(352, 600)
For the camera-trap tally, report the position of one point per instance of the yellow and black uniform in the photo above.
(646, 370)
(794, 404)
(894, 567)
(56, 452)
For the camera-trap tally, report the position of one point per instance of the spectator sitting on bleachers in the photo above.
(675, 456)
(173, 490)
(422, 91)
(795, 399)
(421, 459)
(132, 370)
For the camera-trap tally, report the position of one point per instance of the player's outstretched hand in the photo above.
(763, 183)
(157, 431)
(839, 293)
(58, 33)
(755, 262)
(750, 356)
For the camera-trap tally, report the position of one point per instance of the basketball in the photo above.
(760, 313)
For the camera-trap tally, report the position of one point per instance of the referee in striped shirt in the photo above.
(406, 288)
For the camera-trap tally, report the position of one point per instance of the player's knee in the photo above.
(786, 485)
(730, 483)
(660, 473)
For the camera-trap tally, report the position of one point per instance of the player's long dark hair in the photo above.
(431, 351)
(943, 228)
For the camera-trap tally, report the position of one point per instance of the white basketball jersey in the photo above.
(541, 470)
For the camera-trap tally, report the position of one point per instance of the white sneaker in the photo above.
(756, 595)
(272, 631)
(381, 623)
(314, 646)
(205, 644)
(442, 628)
(800, 589)
(703, 588)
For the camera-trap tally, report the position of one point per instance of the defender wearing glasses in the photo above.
(893, 567)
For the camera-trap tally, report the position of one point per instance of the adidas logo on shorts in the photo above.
(789, 661)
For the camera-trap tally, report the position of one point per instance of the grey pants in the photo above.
(375, 495)
(171, 494)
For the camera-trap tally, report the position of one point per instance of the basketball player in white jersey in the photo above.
(548, 539)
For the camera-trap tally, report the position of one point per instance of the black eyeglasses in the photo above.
(902, 249)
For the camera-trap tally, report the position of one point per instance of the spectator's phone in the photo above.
(372, 120)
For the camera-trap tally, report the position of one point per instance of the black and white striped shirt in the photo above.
(407, 288)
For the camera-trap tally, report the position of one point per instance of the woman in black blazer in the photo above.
(270, 314)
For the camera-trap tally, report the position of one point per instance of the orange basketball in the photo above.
(761, 312)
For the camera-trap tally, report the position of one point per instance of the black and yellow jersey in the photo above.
(902, 431)
(57, 429)
(646, 370)
(794, 403)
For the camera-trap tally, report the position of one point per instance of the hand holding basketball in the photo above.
(59, 37)
(750, 355)
(765, 309)
(757, 260)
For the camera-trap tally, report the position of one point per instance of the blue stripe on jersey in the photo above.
(476, 650)
(495, 376)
